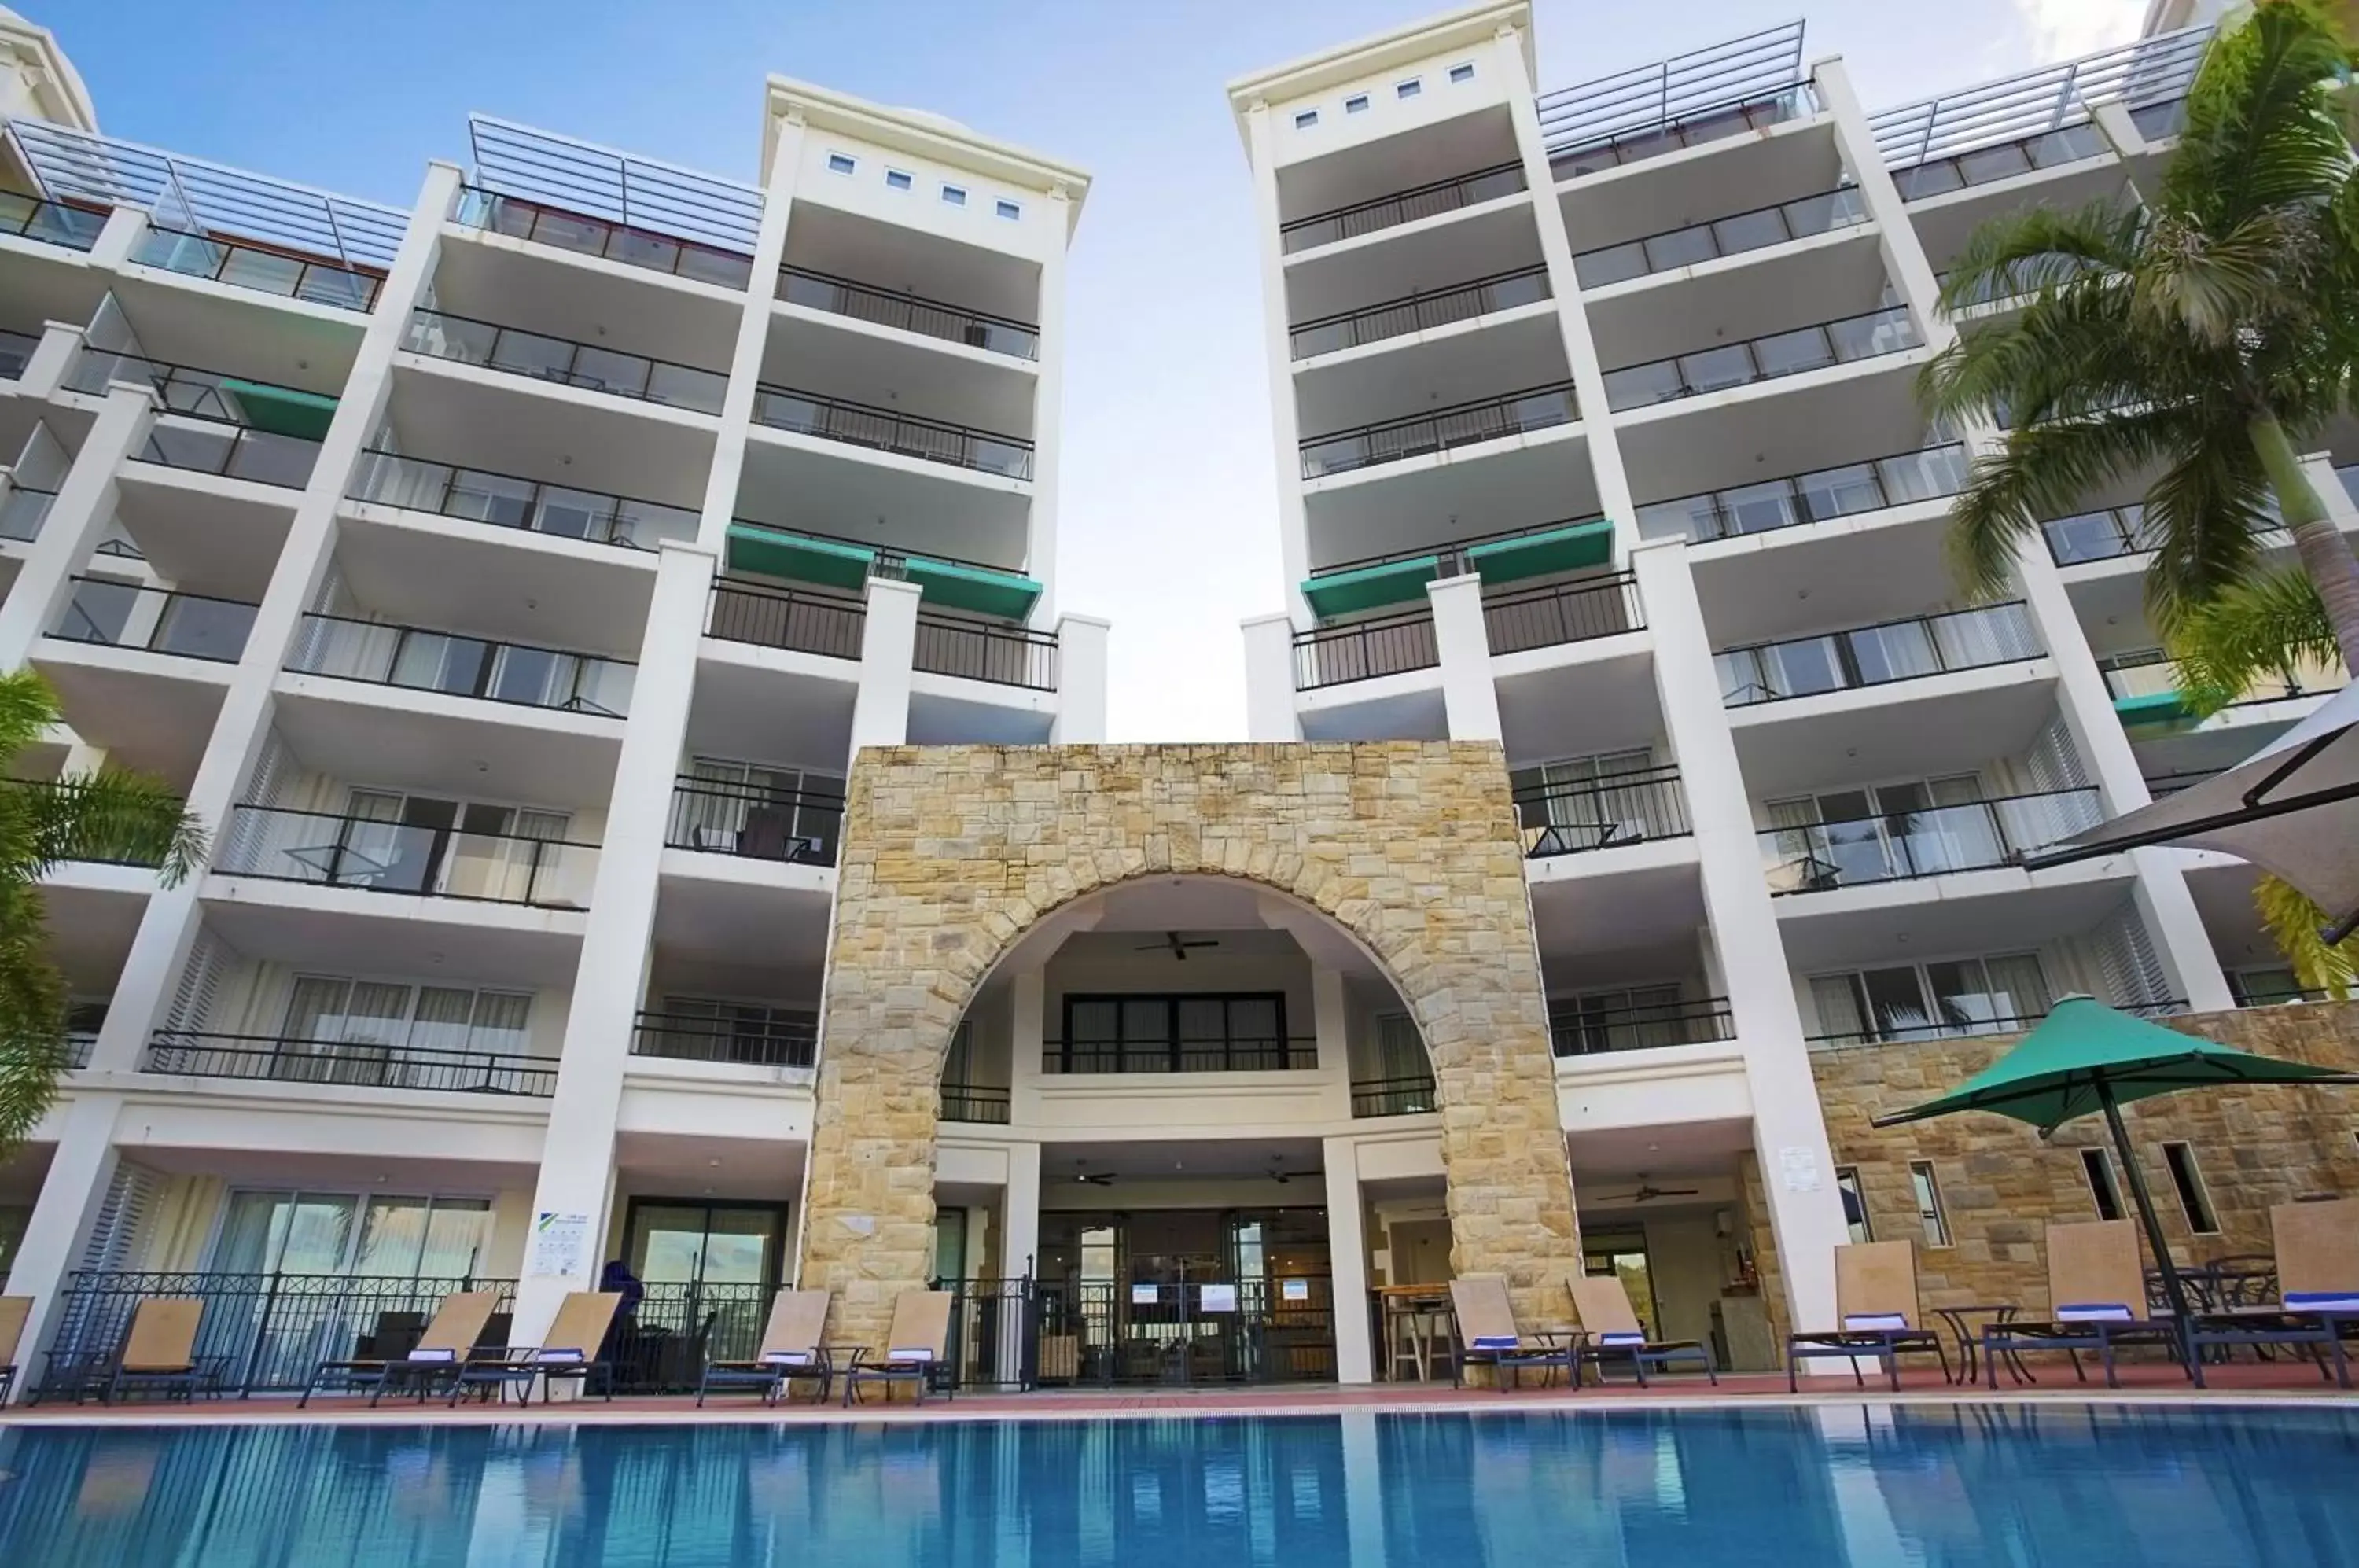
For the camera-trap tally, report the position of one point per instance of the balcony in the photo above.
(834, 561)
(974, 1104)
(210, 394)
(1965, 1016)
(2145, 686)
(1430, 201)
(1842, 208)
(1847, 491)
(1562, 612)
(588, 366)
(1509, 555)
(2044, 149)
(1003, 656)
(572, 232)
(22, 511)
(909, 313)
(528, 505)
(769, 1040)
(1619, 809)
(857, 424)
(1586, 1029)
(232, 451)
(798, 827)
(1727, 365)
(349, 1063)
(1408, 1097)
(110, 612)
(789, 618)
(1748, 84)
(1419, 313)
(75, 228)
(16, 353)
(415, 658)
(1392, 441)
(2104, 535)
(377, 857)
(1977, 835)
(1874, 656)
(1237, 1054)
(266, 271)
(1365, 650)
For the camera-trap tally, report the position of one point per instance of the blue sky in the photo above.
(1170, 492)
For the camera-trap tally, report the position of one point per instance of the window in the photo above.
(354, 1029)
(705, 1029)
(955, 195)
(1305, 120)
(2266, 985)
(1006, 209)
(898, 179)
(841, 163)
(1630, 1019)
(1408, 89)
(2100, 1171)
(1928, 1202)
(1196, 1032)
(1959, 996)
(1854, 1203)
(1463, 73)
(368, 1236)
(1588, 801)
(1357, 104)
(728, 807)
(2193, 1201)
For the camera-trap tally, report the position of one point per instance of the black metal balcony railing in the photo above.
(16, 353)
(1975, 836)
(1419, 313)
(355, 1063)
(234, 451)
(857, 424)
(384, 653)
(1427, 201)
(1877, 655)
(1408, 1097)
(1451, 555)
(2044, 150)
(2149, 672)
(1961, 1022)
(1696, 244)
(756, 823)
(182, 388)
(519, 219)
(266, 271)
(1389, 440)
(2101, 535)
(1363, 651)
(115, 613)
(975, 1104)
(793, 618)
(1701, 95)
(910, 313)
(1606, 812)
(1234, 1055)
(1725, 365)
(976, 650)
(1578, 1030)
(1847, 491)
(1562, 612)
(528, 506)
(764, 1040)
(76, 228)
(377, 856)
(590, 367)
(2162, 784)
(22, 511)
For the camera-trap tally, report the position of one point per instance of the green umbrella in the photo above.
(2085, 1057)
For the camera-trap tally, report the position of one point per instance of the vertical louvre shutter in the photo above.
(193, 1001)
(2053, 762)
(2133, 973)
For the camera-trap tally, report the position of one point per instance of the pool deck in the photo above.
(2238, 1384)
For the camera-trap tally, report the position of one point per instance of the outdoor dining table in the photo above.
(1409, 1311)
(1969, 1341)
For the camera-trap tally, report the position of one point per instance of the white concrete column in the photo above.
(1468, 696)
(721, 481)
(126, 227)
(1080, 680)
(1019, 1236)
(1905, 265)
(77, 519)
(888, 644)
(45, 370)
(1270, 712)
(1278, 353)
(1330, 1020)
(1027, 1039)
(1347, 1262)
(1048, 410)
(79, 1172)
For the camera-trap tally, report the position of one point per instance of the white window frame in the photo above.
(899, 180)
(1001, 207)
(2208, 1222)
(842, 163)
(1357, 104)
(363, 1196)
(1304, 119)
(1463, 71)
(1933, 1214)
(1847, 1180)
(953, 195)
(1403, 91)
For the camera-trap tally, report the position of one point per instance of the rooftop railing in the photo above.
(51, 223)
(17, 352)
(1559, 613)
(1877, 655)
(1931, 840)
(1576, 816)
(770, 1042)
(1419, 313)
(22, 511)
(1699, 96)
(586, 365)
(1726, 365)
(1696, 244)
(794, 618)
(386, 654)
(857, 424)
(349, 1063)
(2147, 72)
(1410, 1096)
(2000, 160)
(112, 613)
(580, 234)
(1583, 1030)
(528, 506)
(799, 827)
(641, 193)
(232, 451)
(255, 267)
(1428, 201)
(1365, 650)
(327, 850)
(1790, 502)
(910, 313)
(1232, 1055)
(1390, 440)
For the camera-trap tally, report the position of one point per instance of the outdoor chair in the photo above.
(1488, 1335)
(572, 1348)
(1611, 1329)
(915, 1350)
(790, 1348)
(160, 1351)
(2097, 1300)
(1875, 1302)
(2318, 1291)
(440, 1351)
(14, 1311)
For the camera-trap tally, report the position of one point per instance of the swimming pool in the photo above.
(1947, 1486)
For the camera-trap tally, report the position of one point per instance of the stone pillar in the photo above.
(1269, 679)
(81, 1170)
(1468, 696)
(889, 644)
(1347, 1262)
(77, 519)
(1080, 680)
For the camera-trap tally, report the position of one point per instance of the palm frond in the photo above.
(32, 1015)
(113, 815)
(2296, 924)
(2250, 630)
(2217, 285)
(2042, 471)
(2062, 354)
(2201, 514)
(28, 707)
(2263, 126)
(2042, 249)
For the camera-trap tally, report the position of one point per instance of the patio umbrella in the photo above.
(2084, 1057)
(2291, 808)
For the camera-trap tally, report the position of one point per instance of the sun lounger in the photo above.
(572, 1348)
(2318, 1291)
(791, 1349)
(1875, 1300)
(1612, 1331)
(161, 1349)
(2097, 1300)
(441, 1350)
(14, 1311)
(916, 1351)
(1487, 1335)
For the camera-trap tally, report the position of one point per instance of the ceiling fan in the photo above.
(1646, 1191)
(1092, 1178)
(1178, 947)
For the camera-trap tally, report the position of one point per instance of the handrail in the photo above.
(51, 223)
(698, 1037)
(1364, 650)
(1293, 1054)
(258, 267)
(794, 618)
(349, 1063)
(16, 350)
(1791, 500)
(974, 1104)
(1712, 90)
(1399, 207)
(890, 558)
(1932, 840)
(590, 366)
(188, 626)
(1961, 1029)
(537, 222)
(1606, 812)
(1858, 656)
(1847, 340)
(1419, 312)
(913, 435)
(1557, 613)
(798, 827)
(910, 312)
(1439, 430)
(2278, 686)
(1643, 1025)
(461, 666)
(330, 849)
(977, 651)
(2000, 160)
(638, 192)
(1691, 244)
(2104, 534)
(2146, 70)
(186, 390)
(1452, 553)
(23, 510)
(511, 501)
(1414, 1094)
(234, 451)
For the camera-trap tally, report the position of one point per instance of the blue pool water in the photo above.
(1949, 1487)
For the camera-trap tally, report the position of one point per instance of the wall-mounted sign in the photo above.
(1217, 1298)
(1294, 1289)
(1144, 1295)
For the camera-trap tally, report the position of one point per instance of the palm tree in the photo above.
(2201, 338)
(106, 815)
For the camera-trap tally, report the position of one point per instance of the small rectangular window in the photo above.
(1408, 89)
(841, 163)
(2100, 1171)
(1854, 1203)
(1007, 210)
(2193, 1201)
(898, 179)
(1306, 119)
(1928, 1204)
(955, 194)
(1461, 73)
(1357, 104)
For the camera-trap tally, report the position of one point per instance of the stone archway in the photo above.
(951, 853)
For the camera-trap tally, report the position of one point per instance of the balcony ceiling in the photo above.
(1440, 150)
(1576, 915)
(1410, 374)
(1947, 917)
(1777, 584)
(906, 374)
(150, 712)
(765, 715)
(911, 504)
(1741, 297)
(1424, 501)
(240, 332)
(46, 283)
(500, 583)
(1579, 709)
(1766, 431)
(449, 745)
(1938, 724)
(435, 939)
(1735, 175)
(511, 424)
(201, 535)
(908, 260)
(1389, 264)
(513, 283)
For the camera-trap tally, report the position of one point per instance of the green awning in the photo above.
(978, 588)
(282, 411)
(775, 552)
(1369, 587)
(1567, 549)
(2152, 708)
